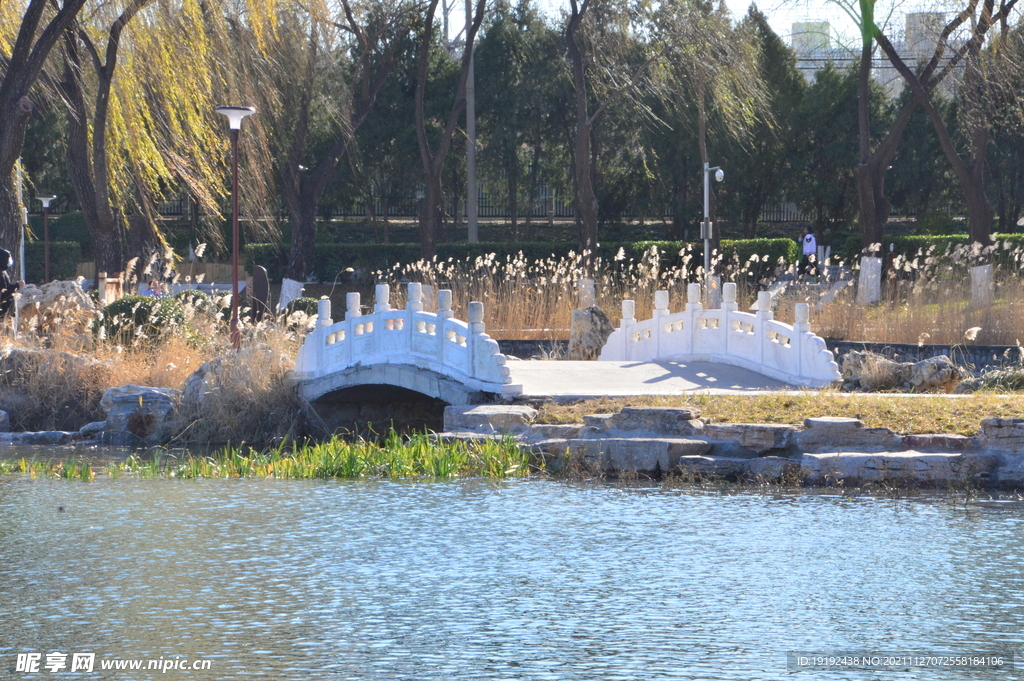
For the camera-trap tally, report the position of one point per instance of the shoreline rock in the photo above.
(826, 451)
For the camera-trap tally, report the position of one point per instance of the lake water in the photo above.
(521, 580)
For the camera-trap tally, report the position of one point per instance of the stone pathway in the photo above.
(581, 380)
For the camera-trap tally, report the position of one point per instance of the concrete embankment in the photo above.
(824, 451)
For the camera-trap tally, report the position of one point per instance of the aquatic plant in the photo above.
(422, 456)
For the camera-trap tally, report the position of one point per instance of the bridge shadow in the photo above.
(369, 410)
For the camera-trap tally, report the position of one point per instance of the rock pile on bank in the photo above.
(659, 441)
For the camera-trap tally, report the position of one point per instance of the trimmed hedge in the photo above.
(331, 259)
(64, 259)
(910, 246)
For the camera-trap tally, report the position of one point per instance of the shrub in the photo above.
(135, 318)
(305, 304)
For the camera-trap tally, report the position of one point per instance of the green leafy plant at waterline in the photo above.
(420, 456)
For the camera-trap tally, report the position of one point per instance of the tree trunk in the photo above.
(430, 217)
(301, 252)
(586, 199)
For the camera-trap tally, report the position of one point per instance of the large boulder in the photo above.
(138, 415)
(870, 372)
(58, 303)
(588, 332)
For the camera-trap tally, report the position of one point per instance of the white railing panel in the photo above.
(674, 333)
(708, 332)
(780, 348)
(743, 336)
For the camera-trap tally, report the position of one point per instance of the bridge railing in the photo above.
(428, 340)
(754, 341)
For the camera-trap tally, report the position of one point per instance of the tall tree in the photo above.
(605, 65)
(376, 31)
(433, 158)
(759, 163)
(970, 172)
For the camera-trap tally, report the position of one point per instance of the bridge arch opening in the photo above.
(376, 408)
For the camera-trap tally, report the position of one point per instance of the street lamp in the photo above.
(46, 236)
(706, 227)
(235, 115)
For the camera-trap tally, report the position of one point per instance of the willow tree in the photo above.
(140, 81)
(28, 33)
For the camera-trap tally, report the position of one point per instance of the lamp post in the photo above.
(46, 235)
(706, 227)
(235, 115)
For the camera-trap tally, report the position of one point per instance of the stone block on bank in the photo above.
(489, 418)
(44, 437)
(759, 438)
(588, 332)
(664, 421)
(1002, 434)
(647, 455)
(918, 468)
(91, 430)
(938, 442)
(138, 415)
(839, 434)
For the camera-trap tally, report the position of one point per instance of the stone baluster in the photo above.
(352, 308)
(444, 304)
(444, 313)
(729, 297)
(764, 305)
(802, 318)
(693, 298)
(660, 303)
(476, 329)
(729, 306)
(383, 297)
(628, 312)
(660, 310)
(415, 302)
(476, 318)
(801, 326)
(323, 309)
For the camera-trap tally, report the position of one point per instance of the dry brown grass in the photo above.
(906, 414)
(54, 380)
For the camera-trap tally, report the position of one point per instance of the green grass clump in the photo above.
(419, 456)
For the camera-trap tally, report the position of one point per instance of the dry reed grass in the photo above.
(526, 299)
(927, 298)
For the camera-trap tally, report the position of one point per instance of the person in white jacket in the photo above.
(810, 251)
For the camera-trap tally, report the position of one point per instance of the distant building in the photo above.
(813, 44)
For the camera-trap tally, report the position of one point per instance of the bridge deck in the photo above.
(567, 379)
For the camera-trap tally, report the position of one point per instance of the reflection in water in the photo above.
(522, 580)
